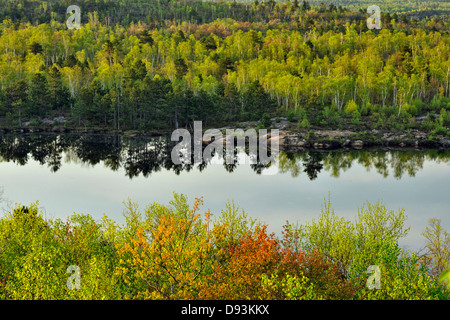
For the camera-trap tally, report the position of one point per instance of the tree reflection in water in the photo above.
(144, 156)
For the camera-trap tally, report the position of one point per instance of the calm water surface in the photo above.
(94, 174)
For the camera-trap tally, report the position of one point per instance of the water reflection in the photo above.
(144, 156)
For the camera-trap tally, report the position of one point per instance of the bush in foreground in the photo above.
(175, 252)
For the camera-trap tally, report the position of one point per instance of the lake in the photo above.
(94, 174)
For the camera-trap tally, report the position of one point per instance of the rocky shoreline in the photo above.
(291, 139)
(336, 139)
(322, 139)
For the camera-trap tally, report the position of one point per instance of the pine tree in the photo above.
(40, 98)
(180, 68)
(36, 48)
(71, 61)
(146, 37)
(16, 100)
(60, 96)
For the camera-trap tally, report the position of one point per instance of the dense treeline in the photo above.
(175, 252)
(400, 6)
(321, 66)
(111, 12)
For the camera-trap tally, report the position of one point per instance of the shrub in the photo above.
(305, 124)
(351, 107)
(35, 122)
(427, 124)
(444, 118)
(265, 121)
(291, 117)
(356, 117)
(174, 252)
(310, 135)
(371, 240)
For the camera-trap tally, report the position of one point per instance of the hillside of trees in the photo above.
(124, 12)
(233, 62)
(153, 66)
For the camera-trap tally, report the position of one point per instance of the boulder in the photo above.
(59, 120)
(47, 121)
(358, 144)
(444, 143)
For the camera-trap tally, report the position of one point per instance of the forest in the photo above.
(154, 66)
(139, 66)
(174, 251)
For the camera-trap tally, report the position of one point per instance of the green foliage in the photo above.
(291, 117)
(35, 122)
(351, 107)
(40, 98)
(444, 118)
(36, 253)
(237, 222)
(234, 62)
(290, 287)
(444, 278)
(329, 116)
(310, 135)
(371, 240)
(440, 130)
(265, 121)
(356, 117)
(173, 252)
(305, 124)
(403, 279)
(437, 258)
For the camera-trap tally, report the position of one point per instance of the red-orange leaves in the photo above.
(176, 254)
(238, 276)
(258, 267)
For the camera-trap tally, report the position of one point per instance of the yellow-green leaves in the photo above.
(175, 252)
(437, 257)
(445, 278)
(290, 287)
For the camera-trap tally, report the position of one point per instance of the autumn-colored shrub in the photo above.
(174, 252)
(239, 275)
(169, 254)
(259, 268)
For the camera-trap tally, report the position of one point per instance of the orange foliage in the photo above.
(182, 258)
(239, 275)
(166, 262)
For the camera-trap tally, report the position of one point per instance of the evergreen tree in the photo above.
(60, 95)
(70, 61)
(36, 48)
(40, 97)
(16, 100)
(146, 37)
(180, 68)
